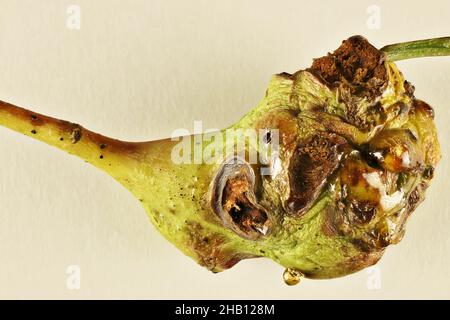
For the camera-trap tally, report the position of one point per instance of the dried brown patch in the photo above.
(363, 211)
(312, 164)
(209, 249)
(357, 64)
(361, 261)
(238, 203)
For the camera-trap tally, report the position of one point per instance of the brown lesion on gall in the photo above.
(373, 116)
(211, 249)
(361, 216)
(357, 65)
(239, 203)
(360, 200)
(363, 211)
(361, 261)
(76, 132)
(376, 238)
(234, 202)
(352, 263)
(208, 252)
(311, 165)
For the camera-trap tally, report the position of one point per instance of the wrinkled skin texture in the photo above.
(357, 152)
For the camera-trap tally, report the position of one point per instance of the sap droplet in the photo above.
(292, 276)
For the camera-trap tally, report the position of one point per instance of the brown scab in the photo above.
(356, 64)
(363, 211)
(208, 254)
(245, 214)
(234, 201)
(359, 262)
(312, 163)
(76, 134)
(362, 245)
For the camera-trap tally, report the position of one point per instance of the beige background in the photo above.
(139, 69)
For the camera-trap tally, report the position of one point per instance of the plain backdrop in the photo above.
(137, 70)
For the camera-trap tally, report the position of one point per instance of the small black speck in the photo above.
(102, 146)
(268, 137)
(141, 200)
(110, 164)
(34, 117)
(101, 157)
(61, 139)
(33, 131)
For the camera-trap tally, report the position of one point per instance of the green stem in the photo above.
(418, 49)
